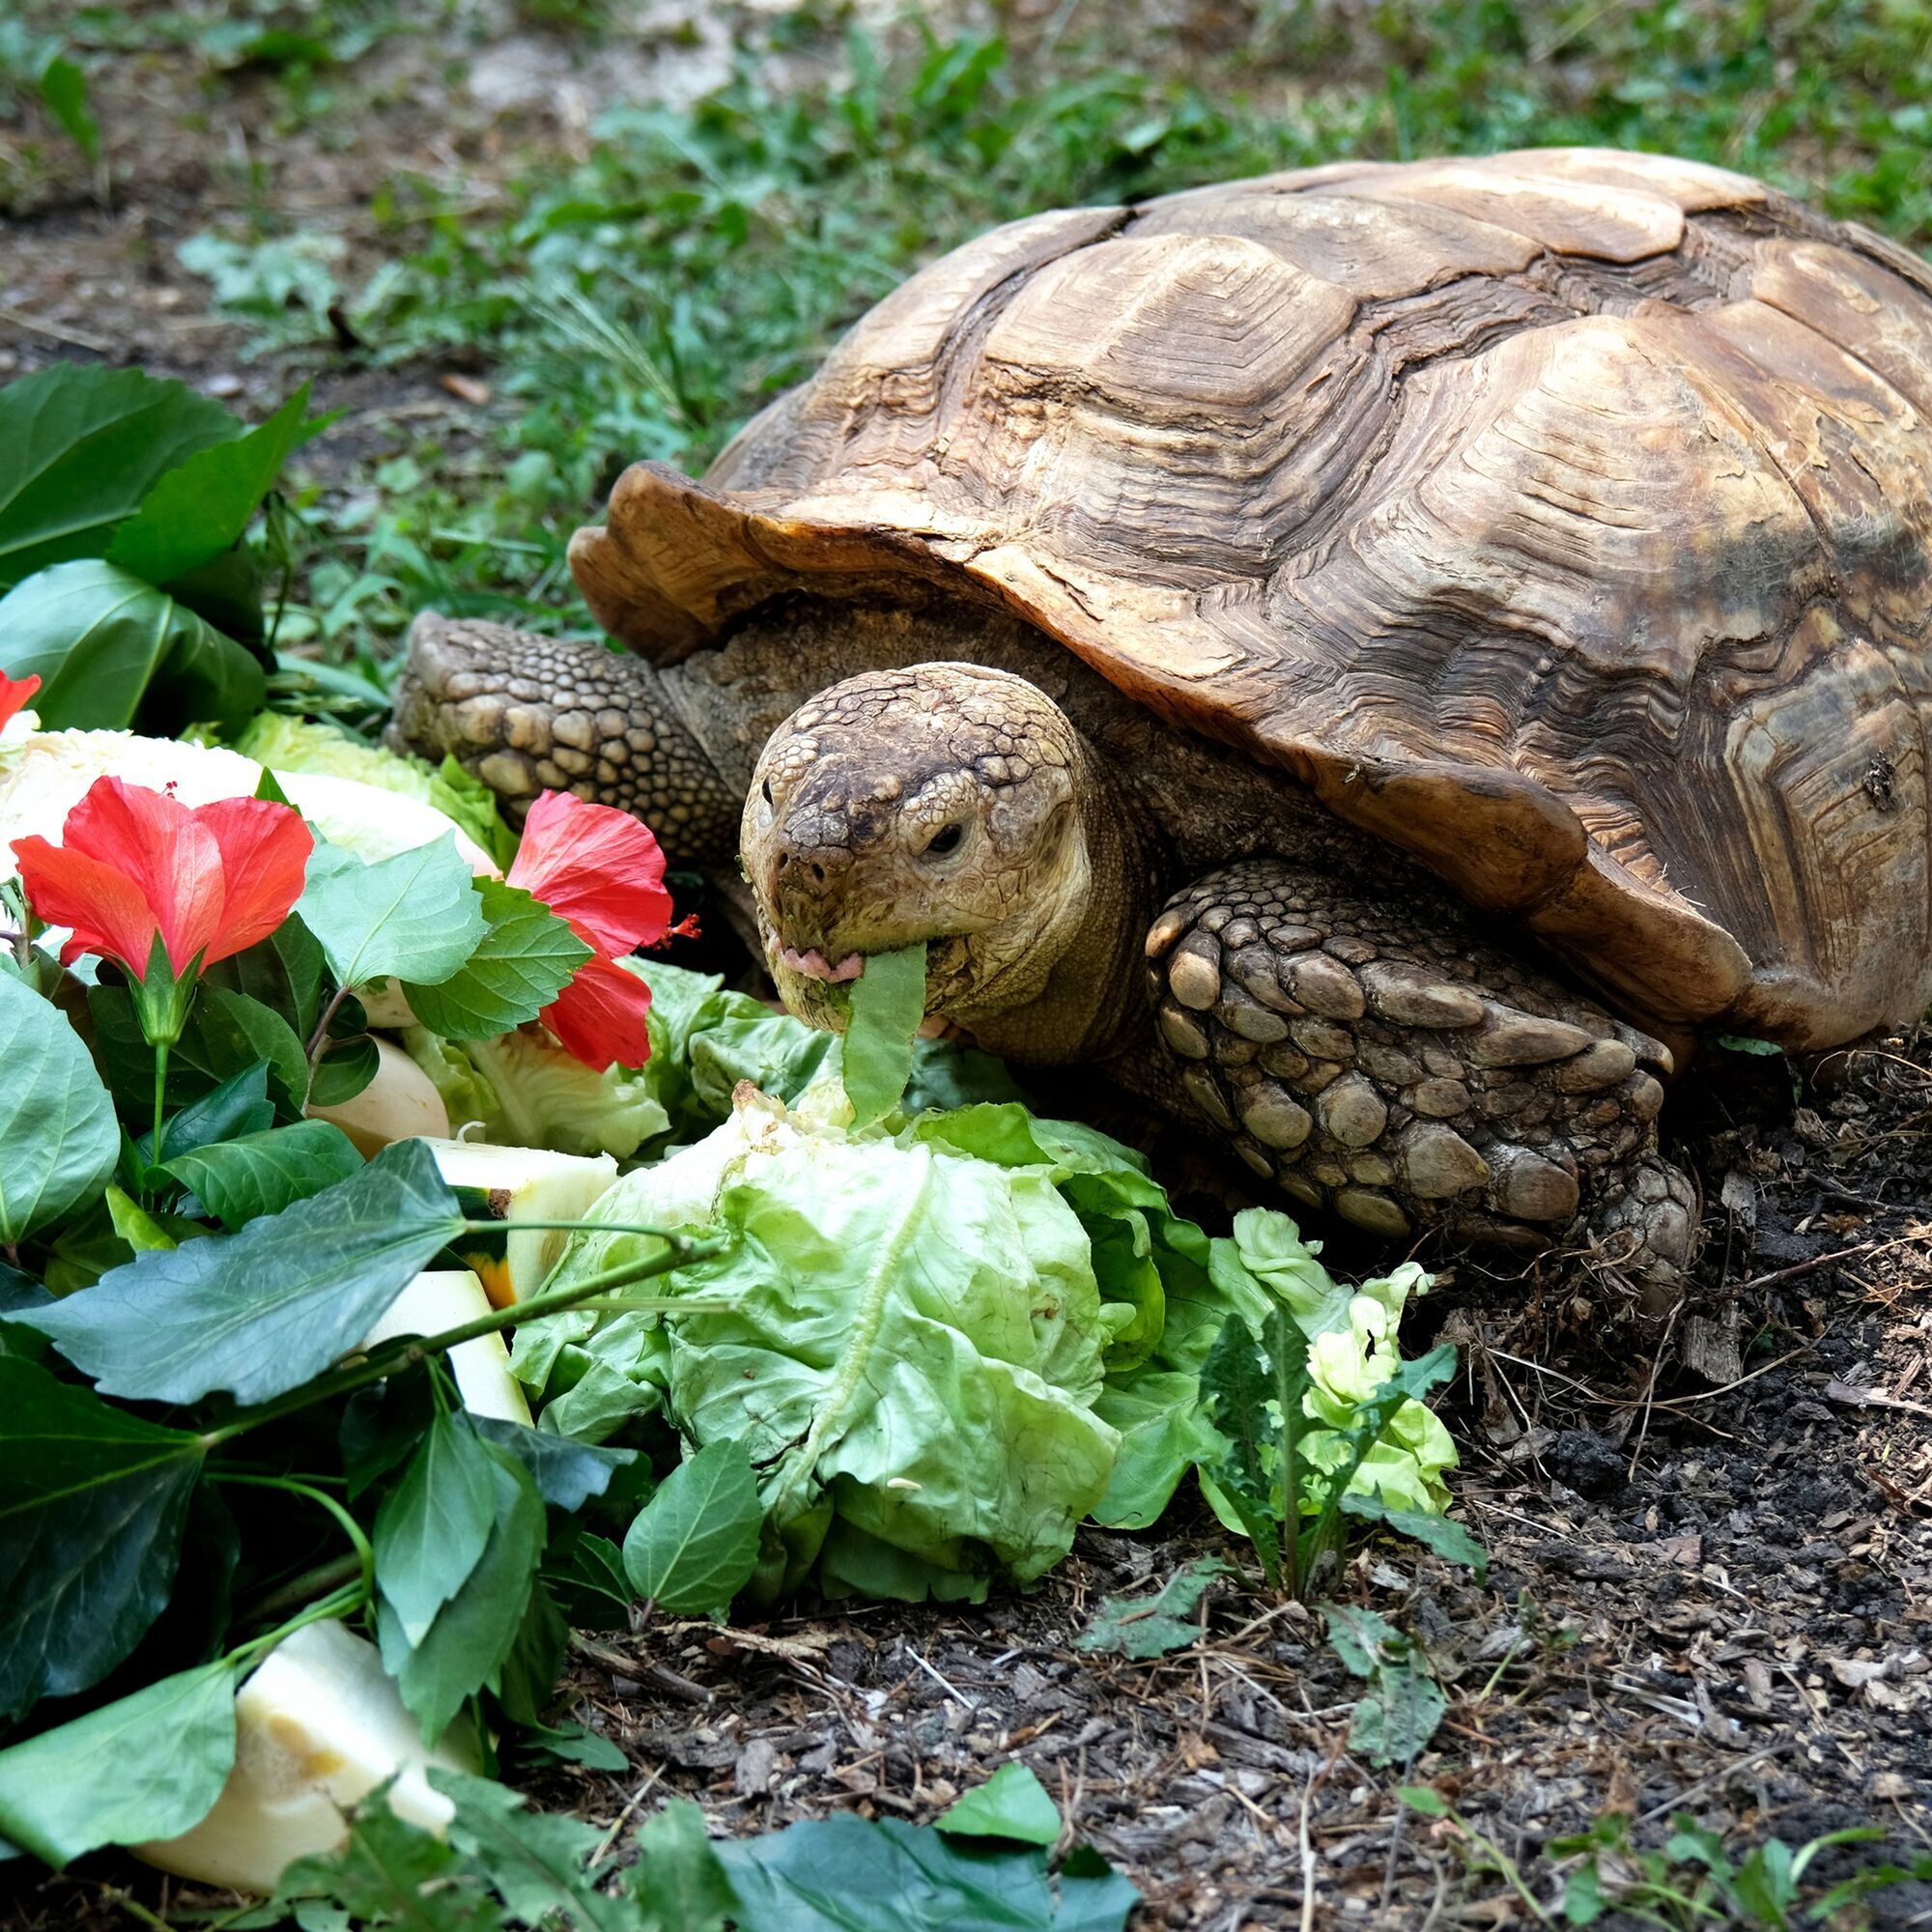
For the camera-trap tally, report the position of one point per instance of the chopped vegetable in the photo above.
(318, 1727)
(503, 1183)
(400, 1103)
(446, 1298)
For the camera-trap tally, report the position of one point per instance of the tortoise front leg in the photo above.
(527, 713)
(1378, 1059)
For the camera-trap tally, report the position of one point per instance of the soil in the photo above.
(1710, 1537)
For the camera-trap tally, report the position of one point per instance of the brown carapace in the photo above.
(1555, 524)
(1560, 516)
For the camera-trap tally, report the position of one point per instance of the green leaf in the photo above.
(540, 1862)
(344, 1071)
(135, 1226)
(261, 1173)
(1011, 1804)
(394, 1873)
(431, 1526)
(526, 957)
(145, 1767)
(413, 917)
(568, 1473)
(888, 1006)
(1154, 1626)
(1439, 1533)
(1425, 1799)
(1358, 1637)
(110, 649)
(283, 973)
(474, 1631)
(261, 1312)
(228, 1027)
(84, 444)
(64, 90)
(238, 1106)
(679, 1875)
(695, 1545)
(1399, 1717)
(201, 507)
(59, 1139)
(847, 1874)
(92, 1505)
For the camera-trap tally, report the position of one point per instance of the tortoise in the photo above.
(1375, 660)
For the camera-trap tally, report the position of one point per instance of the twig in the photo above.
(1715, 1779)
(74, 336)
(1650, 1387)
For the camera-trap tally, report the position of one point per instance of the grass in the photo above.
(646, 299)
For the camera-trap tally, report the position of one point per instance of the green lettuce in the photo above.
(913, 1355)
(286, 744)
(522, 1089)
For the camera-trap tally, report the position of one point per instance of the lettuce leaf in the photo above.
(913, 1353)
(522, 1089)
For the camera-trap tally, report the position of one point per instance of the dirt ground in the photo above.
(1710, 1584)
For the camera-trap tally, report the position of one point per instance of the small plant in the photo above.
(1286, 1469)
(1694, 1881)
(1404, 1703)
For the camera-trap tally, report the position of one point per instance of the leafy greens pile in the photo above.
(952, 1335)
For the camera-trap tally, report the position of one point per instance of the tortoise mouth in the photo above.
(814, 965)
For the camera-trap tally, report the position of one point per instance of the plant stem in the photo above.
(365, 1555)
(406, 1351)
(322, 1579)
(160, 1096)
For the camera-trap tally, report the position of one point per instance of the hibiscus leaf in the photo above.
(415, 916)
(201, 507)
(58, 1137)
(525, 958)
(695, 1545)
(888, 1004)
(92, 1505)
(540, 1862)
(145, 1767)
(260, 1174)
(239, 1105)
(84, 446)
(1011, 1804)
(473, 1632)
(850, 1874)
(389, 1873)
(433, 1525)
(261, 1312)
(568, 1473)
(98, 637)
(679, 1874)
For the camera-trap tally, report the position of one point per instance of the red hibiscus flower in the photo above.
(15, 695)
(600, 872)
(166, 889)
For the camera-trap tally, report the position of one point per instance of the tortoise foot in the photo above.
(1380, 1060)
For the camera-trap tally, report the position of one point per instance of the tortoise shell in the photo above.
(1561, 517)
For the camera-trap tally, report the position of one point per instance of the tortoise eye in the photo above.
(766, 789)
(946, 840)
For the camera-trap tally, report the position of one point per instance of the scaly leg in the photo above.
(1379, 1059)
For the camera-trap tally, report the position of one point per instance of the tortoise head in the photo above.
(940, 803)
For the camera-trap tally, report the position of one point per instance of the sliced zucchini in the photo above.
(510, 1183)
(446, 1298)
(317, 1727)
